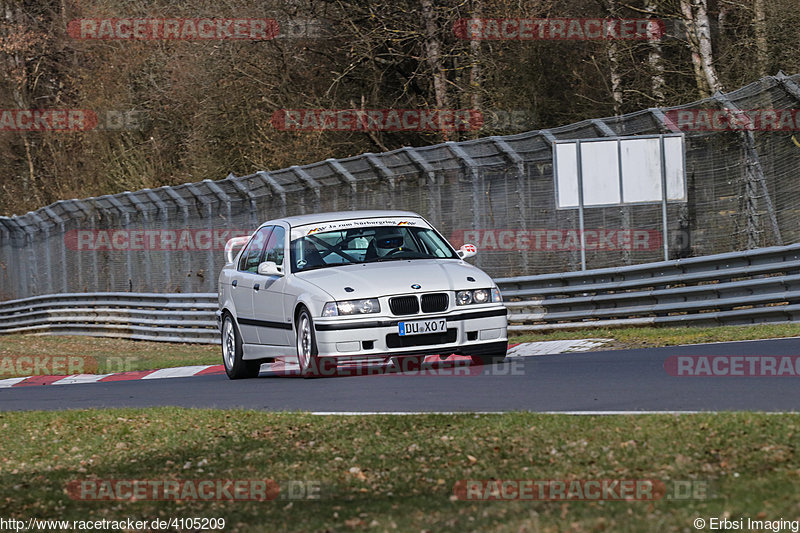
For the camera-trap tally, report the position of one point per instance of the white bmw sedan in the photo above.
(356, 286)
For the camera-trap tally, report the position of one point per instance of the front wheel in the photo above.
(306, 345)
(235, 366)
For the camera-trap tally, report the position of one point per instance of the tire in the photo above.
(235, 366)
(306, 342)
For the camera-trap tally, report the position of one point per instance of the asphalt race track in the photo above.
(609, 381)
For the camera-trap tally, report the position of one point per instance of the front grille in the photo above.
(434, 303)
(404, 305)
(393, 340)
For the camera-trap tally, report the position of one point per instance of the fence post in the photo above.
(753, 174)
(273, 184)
(348, 178)
(163, 211)
(184, 207)
(434, 213)
(62, 245)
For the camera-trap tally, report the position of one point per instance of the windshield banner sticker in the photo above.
(310, 229)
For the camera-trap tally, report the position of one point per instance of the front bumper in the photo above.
(475, 331)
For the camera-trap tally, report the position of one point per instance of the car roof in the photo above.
(317, 218)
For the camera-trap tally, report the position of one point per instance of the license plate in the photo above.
(420, 327)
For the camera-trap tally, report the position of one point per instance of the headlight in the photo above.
(464, 297)
(352, 307)
(478, 296)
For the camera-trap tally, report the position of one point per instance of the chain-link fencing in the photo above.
(743, 188)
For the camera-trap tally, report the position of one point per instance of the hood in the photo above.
(396, 277)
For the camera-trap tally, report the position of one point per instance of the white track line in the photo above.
(10, 382)
(81, 378)
(179, 372)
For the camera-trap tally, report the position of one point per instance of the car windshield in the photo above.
(367, 245)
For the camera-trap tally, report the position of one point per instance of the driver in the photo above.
(384, 241)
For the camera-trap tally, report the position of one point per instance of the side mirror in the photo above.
(467, 250)
(236, 242)
(268, 268)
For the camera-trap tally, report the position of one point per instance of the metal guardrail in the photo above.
(734, 288)
(152, 317)
(748, 287)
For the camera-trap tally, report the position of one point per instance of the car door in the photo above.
(268, 295)
(245, 279)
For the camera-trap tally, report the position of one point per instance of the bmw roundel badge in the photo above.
(416, 286)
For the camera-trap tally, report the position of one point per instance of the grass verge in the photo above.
(397, 473)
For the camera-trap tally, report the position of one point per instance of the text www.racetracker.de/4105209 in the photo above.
(127, 524)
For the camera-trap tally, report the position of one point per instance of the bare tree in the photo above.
(655, 60)
(760, 27)
(695, 14)
(433, 51)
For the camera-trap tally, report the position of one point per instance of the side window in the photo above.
(275, 246)
(251, 256)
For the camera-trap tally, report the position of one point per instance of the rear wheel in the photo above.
(235, 366)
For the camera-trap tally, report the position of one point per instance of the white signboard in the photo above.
(626, 170)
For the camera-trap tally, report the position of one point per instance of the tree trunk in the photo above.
(433, 50)
(760, 26)
(15, 68)
(698, 30)
(656, 61)
(612, 51)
